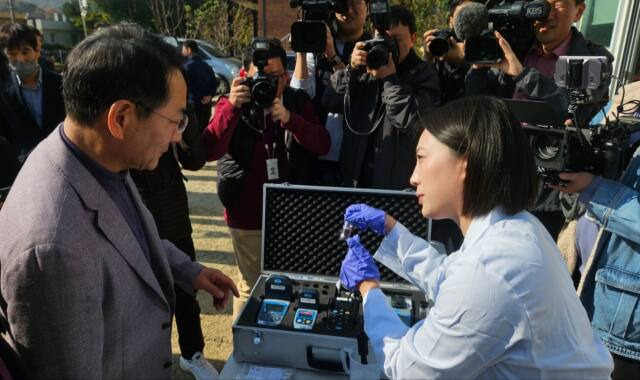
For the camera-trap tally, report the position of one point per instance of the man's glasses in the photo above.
(181, 124)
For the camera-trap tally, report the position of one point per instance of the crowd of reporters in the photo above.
(342, 122)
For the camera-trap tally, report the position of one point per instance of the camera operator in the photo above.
(532, 79)
(313, 74)
(255, 144)
(450, 66)
(607, 241)
(378, 149)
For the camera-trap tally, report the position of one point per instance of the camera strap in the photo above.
(272, 160)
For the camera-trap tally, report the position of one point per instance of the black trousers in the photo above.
(625, 368)
(190, 336)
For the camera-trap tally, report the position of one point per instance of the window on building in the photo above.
(598, 19)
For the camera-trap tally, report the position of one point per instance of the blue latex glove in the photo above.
(363, 217)
(358, 265)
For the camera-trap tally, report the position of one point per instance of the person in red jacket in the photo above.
(255, 145)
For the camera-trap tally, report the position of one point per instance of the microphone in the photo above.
(471, 21)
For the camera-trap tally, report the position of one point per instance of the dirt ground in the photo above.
(213, 248)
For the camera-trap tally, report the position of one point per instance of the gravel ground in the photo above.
(213, 248)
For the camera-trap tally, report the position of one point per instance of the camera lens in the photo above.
(378, 56)
(439, 47)
(546, 148)
(263, 92)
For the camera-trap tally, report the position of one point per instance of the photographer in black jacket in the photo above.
(313, 74)
(382, 109)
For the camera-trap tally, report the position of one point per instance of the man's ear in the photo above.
(121, 115)
(581, 9)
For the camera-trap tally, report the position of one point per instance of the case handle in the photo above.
(325, 359)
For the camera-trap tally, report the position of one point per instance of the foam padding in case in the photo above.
(302, 225)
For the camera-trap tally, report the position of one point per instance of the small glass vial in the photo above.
(347, 230)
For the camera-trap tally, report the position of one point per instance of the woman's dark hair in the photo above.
(118, 62)
(500, 164)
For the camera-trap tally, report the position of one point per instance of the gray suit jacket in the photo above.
(81, 298)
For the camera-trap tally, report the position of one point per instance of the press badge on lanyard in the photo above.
(272, 163)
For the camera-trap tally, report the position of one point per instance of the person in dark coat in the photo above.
(32, 96)
(378, 148)
(201, 82)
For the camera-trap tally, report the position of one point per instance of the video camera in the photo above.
(475, 24)
(378, 49)
(262, 85)
(308, 34)
(602, 150)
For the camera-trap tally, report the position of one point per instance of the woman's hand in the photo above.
(366, 217)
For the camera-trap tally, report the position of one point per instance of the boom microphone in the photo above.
(471, 21)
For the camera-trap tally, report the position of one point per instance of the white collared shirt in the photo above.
(505, 308)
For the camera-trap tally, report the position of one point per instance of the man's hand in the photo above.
(383, 71)
(240, 94)
(279, 113)
(358, 56)
(218, 285)
(574, 182)
(206, 99)
(510, 65)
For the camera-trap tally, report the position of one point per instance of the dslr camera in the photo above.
(308, 34)
(439, 46)
(262, 85)
(512, 18)
(378, 49)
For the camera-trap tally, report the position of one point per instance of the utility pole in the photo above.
(83, 15)
(12, 11)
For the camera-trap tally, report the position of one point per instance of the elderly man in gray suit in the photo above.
(86, 282)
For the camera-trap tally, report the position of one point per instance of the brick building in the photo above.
(279, 17)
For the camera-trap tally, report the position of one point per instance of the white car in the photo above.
(225, 66)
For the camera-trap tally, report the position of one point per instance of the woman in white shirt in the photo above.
(504, 304)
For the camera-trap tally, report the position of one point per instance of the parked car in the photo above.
(225, 66)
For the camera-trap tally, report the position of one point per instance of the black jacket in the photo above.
(384, 159)
(20, 127)
(163, 189)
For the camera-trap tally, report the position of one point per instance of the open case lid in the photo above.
(301, 226)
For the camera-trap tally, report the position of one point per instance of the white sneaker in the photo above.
(199, 367)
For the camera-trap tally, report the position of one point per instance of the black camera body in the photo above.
(378, 48)
(514, 20)
(440, 45)
(262, 85)
(308, 34)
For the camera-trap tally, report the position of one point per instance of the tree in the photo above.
(167, 15)
(95, 18)
(222, 22)
(430, 14)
